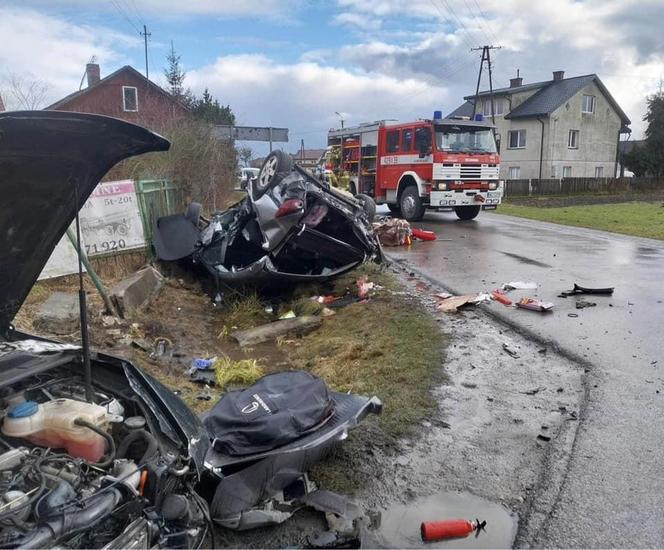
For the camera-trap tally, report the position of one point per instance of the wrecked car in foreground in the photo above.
(110, 457)
(291, 227)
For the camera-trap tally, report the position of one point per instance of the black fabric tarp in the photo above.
(278, 409)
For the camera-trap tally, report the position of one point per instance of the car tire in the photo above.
(467, 212)
(193, 212)
(368, 204)
(394, 209)
(410, 204)
(277, 166)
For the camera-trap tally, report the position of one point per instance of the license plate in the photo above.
(494, 194)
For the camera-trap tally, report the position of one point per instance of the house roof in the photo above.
(511, 90)
(462, 110)
(308, 154)
(129, 68)
(551, 95)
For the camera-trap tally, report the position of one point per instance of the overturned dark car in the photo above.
(291, 227)
(94, 452)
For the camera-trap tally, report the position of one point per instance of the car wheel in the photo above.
(277, 166)
(368, 204)
(410, 204)
(467, 212)
(193, 213)
(394, 209)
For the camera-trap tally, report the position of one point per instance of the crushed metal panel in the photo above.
(250, 133)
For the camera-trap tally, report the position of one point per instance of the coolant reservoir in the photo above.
(51, 424)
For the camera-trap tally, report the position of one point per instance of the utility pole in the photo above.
(145, 35)
(486, 56)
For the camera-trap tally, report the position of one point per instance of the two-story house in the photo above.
(561, 128)
(124, 94)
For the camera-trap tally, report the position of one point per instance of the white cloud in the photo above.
(49, 49)
(280, 9)
(361, 21)
(304, 96)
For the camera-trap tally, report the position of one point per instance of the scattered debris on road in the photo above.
(520, 285)
(393, 232)
(585, 290)
(501, 297)
(423, 235)
(510, 350)
(581, 304)
(450, 529)
(534, 305)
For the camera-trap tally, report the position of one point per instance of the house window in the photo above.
(129, 98)
(514, 173)
(588, 105)
(407, 139)
(498, 106)
(393, 141)
(573, 139)
(599, 171)
(567, 171)
(517, 139)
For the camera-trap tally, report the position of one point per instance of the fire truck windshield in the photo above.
(465, 139)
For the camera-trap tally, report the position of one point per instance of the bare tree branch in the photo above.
(23, 91)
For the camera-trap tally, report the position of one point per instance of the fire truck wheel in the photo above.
(410, 204)
(277, 166)
(467, 212)
(368, 204)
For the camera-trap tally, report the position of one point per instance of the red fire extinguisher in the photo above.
(450, 529)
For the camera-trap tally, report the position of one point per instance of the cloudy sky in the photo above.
(294, 63)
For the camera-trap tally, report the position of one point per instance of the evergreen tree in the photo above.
(655, 134)
(175, 75)
(208, 109)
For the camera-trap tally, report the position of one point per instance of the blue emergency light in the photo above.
(479, 117)
(437, 115)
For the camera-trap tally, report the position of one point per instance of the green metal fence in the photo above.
(157, 198)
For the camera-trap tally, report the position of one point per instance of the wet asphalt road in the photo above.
(613, 493)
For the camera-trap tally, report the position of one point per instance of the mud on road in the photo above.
(501, 424)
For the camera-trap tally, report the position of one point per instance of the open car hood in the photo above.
(44, 157)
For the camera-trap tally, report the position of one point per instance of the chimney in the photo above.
(516, 82)
(558, 75)
(93, 74)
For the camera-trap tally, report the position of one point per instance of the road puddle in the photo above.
(400, 525)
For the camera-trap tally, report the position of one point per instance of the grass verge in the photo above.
(640, 219)
(388, 346)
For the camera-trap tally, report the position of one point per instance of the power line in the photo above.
(454, 14)
(486, 19)
(449, 21)
(124, 15)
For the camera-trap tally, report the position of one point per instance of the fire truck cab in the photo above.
(441, 164)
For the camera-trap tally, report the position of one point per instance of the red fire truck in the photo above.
(442, 164)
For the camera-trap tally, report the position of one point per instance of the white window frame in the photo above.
(521, 143)
(124, 99)
(599, 171)
(498, 106)
(514, 173)
(567, 171)
(593, 101)
(573, 139)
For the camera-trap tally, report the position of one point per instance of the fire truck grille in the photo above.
(467, 172)
(471, 172)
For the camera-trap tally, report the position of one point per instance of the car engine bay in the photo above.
(68, 465)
